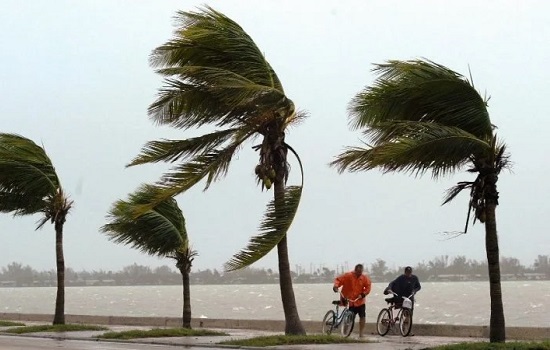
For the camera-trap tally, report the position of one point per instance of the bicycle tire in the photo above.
(328, 322)
(405, 322)
(383, 322)
(348, 321)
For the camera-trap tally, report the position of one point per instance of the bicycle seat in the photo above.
(335, 302)
(389, 300)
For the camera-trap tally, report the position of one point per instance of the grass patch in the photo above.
(273, 340)
(545, 345)
(10, 323)
(55, 328)
(160, 332)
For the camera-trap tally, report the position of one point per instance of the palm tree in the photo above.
(30, 185)
(216, 75)
(420, 116)
(160, 231)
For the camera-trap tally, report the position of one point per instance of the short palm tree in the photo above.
(216, 75)
(420, 116)
(30, 185)
(159, 231)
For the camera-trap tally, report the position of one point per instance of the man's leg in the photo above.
(412, 309)
(361, 326)
(362, 318)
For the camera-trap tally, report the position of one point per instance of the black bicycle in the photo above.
(343, 319)
(403, 319)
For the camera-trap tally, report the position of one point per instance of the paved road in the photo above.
(27, 343)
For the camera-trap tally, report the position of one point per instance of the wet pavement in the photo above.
(78, 339)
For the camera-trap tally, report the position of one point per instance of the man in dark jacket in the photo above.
(404, 286)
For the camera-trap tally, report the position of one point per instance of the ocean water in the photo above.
(526, 303)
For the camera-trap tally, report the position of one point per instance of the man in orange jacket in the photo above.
(355, 287)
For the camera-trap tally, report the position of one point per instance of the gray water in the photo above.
(526, 303)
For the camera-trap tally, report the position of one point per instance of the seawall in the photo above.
(512, 333)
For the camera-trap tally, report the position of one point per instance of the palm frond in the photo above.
(184, 257)
(172, 150)
(455, 190)
(27, 176)
(183, 105)
(18, 148)
(215, 73)
(421, 90)
(502, 157)
(297, 118)
(208, 38)
(34, 180)
(211, 165)
(20, 203)
(158, 231)
(274, 227)
(415, 148)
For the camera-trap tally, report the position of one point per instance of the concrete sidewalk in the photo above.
(372, 342)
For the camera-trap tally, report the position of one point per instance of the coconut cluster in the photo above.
(265, 174)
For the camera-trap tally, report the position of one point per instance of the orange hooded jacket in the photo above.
(353, 286)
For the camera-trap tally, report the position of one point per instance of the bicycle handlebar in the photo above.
(410, 296)
(352, 300)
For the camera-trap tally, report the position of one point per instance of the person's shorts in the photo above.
(359, 310)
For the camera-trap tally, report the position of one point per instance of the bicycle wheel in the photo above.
(328, 322)
(348, 321)
(383, 322)
(405, 322)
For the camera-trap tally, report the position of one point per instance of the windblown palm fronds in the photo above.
(420, 116)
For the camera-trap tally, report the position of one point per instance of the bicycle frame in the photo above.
(338, 316)
(343, 318)
(388, 320)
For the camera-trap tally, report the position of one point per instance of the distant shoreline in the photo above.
(107, 283)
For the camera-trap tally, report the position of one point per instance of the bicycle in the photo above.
(387, 321)
(344, 319)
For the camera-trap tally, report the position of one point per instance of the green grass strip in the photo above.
(10, 323)
(274, 340)
(160, 332)
(55, 328)
(545, 345)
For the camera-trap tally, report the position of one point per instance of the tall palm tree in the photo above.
(159, 231)
(30, 185)
(420, 116)
(216, 75)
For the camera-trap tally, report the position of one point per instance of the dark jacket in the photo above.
(404, 286)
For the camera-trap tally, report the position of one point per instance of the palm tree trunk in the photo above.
(293, 325)
(186, 319)
(59, 317)
(497, 330)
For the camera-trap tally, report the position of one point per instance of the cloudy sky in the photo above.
(74, 76)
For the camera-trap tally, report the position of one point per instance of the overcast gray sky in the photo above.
(74, 76)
